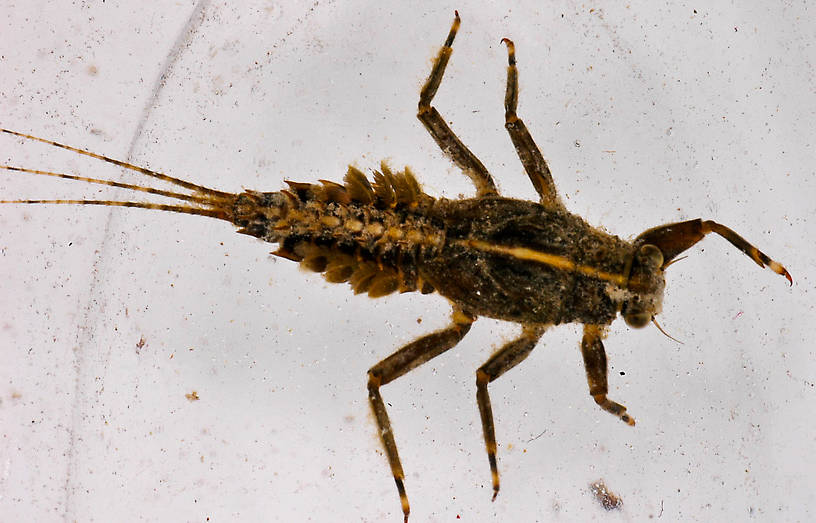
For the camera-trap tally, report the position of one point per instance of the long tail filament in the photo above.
(203, 201)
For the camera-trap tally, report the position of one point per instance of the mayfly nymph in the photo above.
(529, 262)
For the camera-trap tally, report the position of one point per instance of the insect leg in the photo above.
(404, 360)
(503, 360)
(674, 238)
(595, 364)
(439, 130)
(528, 152)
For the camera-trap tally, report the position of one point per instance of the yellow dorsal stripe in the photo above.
(553, 260)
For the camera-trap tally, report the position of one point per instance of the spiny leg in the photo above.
(503, 360)
(439, 130)
(595, 364)
(528, 152)
(407, 358)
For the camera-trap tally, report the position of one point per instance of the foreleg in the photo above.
(595, 364)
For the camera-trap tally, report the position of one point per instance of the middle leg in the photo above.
(528, 152)
(503, 360)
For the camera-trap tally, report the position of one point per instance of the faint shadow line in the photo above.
(86, 334)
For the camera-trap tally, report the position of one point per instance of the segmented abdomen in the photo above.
(370, 235)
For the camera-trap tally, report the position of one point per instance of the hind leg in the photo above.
(404, 360)
(450, 144)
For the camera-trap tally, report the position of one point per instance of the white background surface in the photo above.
(647, 113)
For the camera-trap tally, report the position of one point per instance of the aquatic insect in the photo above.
(532, 263)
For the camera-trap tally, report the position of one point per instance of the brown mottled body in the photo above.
(432, 244)
(504, 287)
(533, 263)
(374, 237)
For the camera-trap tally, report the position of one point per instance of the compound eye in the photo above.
(651, 256)
(637, 320)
